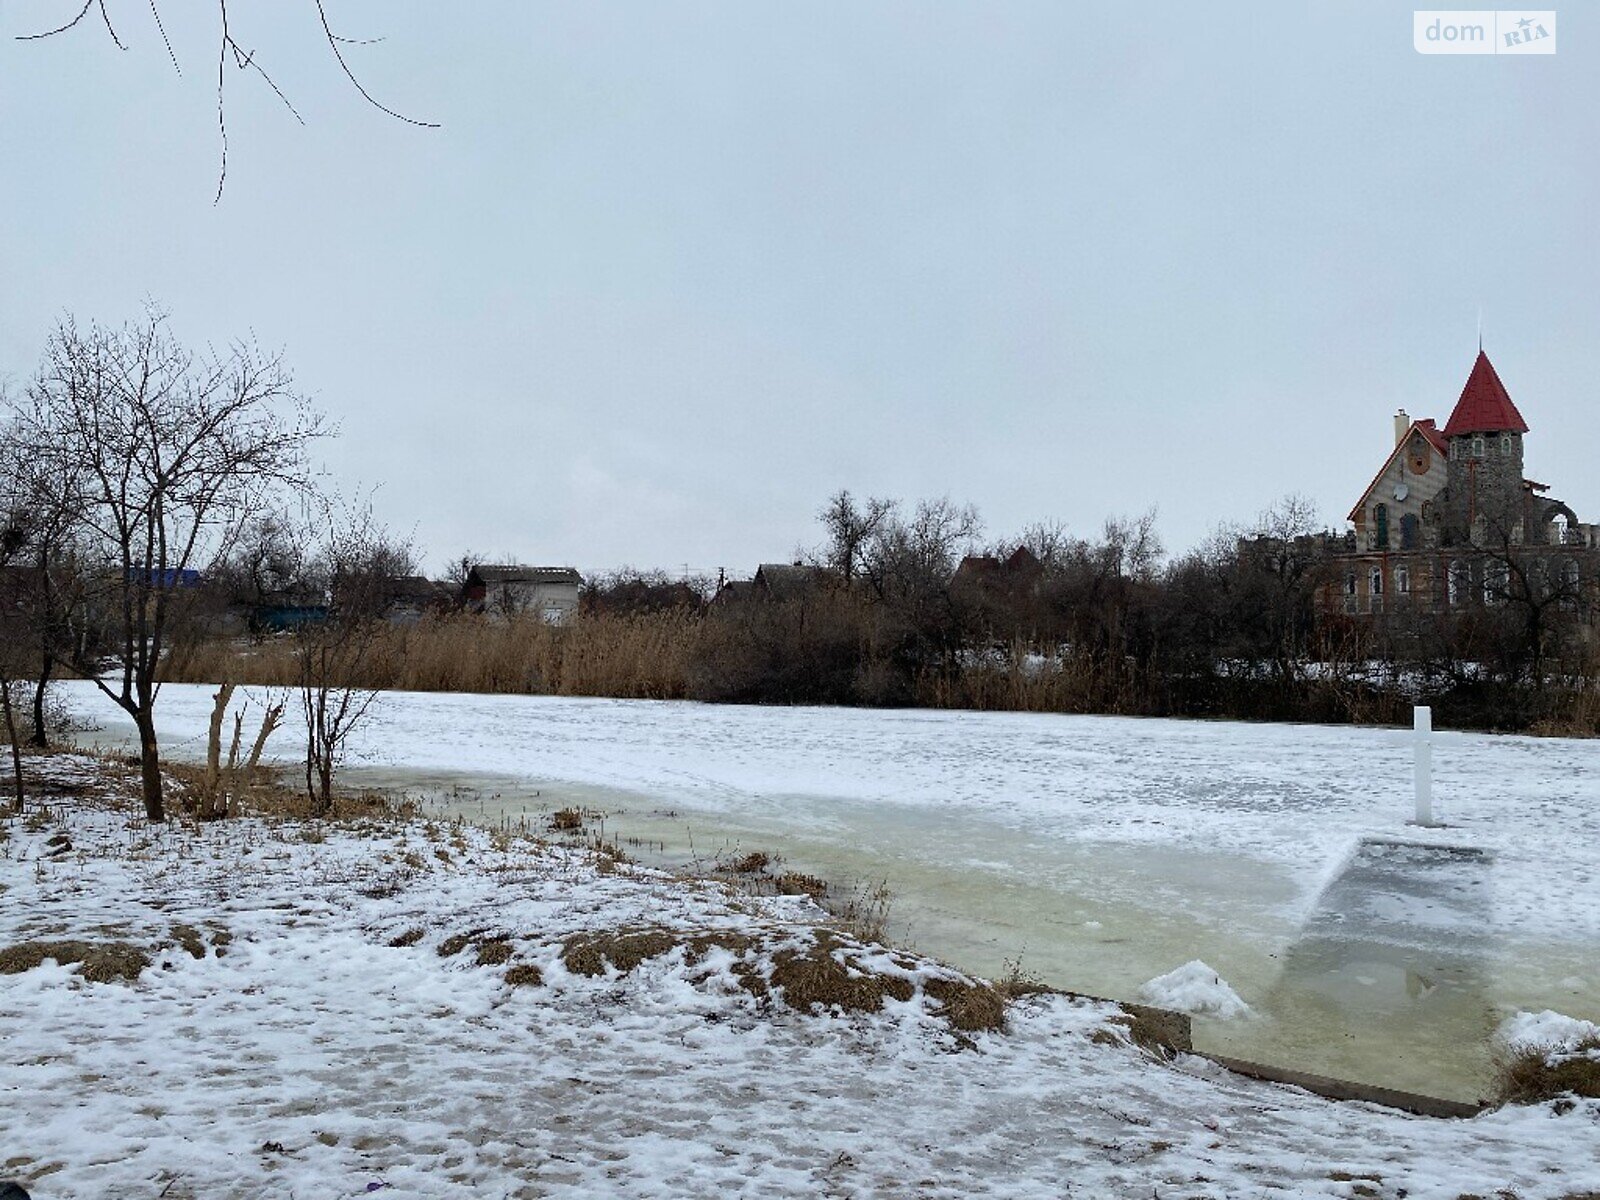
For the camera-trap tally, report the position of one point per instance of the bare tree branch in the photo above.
(34, 37)
(106, 17)
(333, 44)
(171, 53)
(245, 60)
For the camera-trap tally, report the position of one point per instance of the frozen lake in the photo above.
(1100, 851)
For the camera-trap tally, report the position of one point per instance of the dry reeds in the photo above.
(634, 657)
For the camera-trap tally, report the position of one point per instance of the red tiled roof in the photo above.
(1430, 430)
(1485, 405)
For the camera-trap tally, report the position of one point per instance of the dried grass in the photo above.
(189, 939)
(795, 883)
(524, 975)
(589, 953)
(1533, 1076)
(817, 978)
(750, 864)
(457, 942)
(493, 952)
(102, 962)
(969, 1006)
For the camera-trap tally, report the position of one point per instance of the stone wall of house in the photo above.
(1486, 486)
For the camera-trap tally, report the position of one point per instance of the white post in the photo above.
(1423, 726)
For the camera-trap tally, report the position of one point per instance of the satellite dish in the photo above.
(1401, 491)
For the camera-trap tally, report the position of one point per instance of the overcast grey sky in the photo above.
(671, 273)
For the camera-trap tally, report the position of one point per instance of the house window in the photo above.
(1480, 529)
(1477, 447)
(1460, 582)
(1505, 445)
(1410, 532)
(1538, 579)
(1380, 519)
(1570, 575)
(1402, 580)
(1496, 583)
(1375, 583)
(1350, 583)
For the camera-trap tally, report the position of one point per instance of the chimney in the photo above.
(1402, 423)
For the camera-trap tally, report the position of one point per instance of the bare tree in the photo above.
(12, 640)
(45, 587)
(230, 50)
(850, 527)
(174, 451)
(339, 680)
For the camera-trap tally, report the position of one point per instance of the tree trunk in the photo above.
(150, 767)
(269, 722)
(16, 742)
(41, 736)
(219, 710)
(325, 782)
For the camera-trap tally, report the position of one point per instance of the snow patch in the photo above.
(1196, 989)
(1550, 1031)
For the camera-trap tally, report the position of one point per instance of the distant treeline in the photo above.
(890, 612)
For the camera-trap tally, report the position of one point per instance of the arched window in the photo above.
(1480, 529)
(1571, 575)
(1505, 445)
(1477, 447)
(1410, 532)
(1380, 521)
(1350, 583)
(1460, 581)
(1402, 580)
(1375, 583)
(1538, 579)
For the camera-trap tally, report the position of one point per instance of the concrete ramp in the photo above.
(1395, 951)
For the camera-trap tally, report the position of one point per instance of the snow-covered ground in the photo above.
(326, 1042)
(1105, 852)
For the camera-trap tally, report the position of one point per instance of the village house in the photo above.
(507, 590)
(775, 581)
(1450, 522)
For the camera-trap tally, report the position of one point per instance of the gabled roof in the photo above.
(786, 580)
(1485, 405)
(1427, 429)
(516, 573)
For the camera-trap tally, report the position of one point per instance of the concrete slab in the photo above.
(1396, 949)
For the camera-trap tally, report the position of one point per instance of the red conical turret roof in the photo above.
(1485, 405)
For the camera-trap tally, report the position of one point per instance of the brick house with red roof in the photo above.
(1450, 521)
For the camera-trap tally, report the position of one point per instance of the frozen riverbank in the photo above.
(387, 1006)
(1103, 851)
